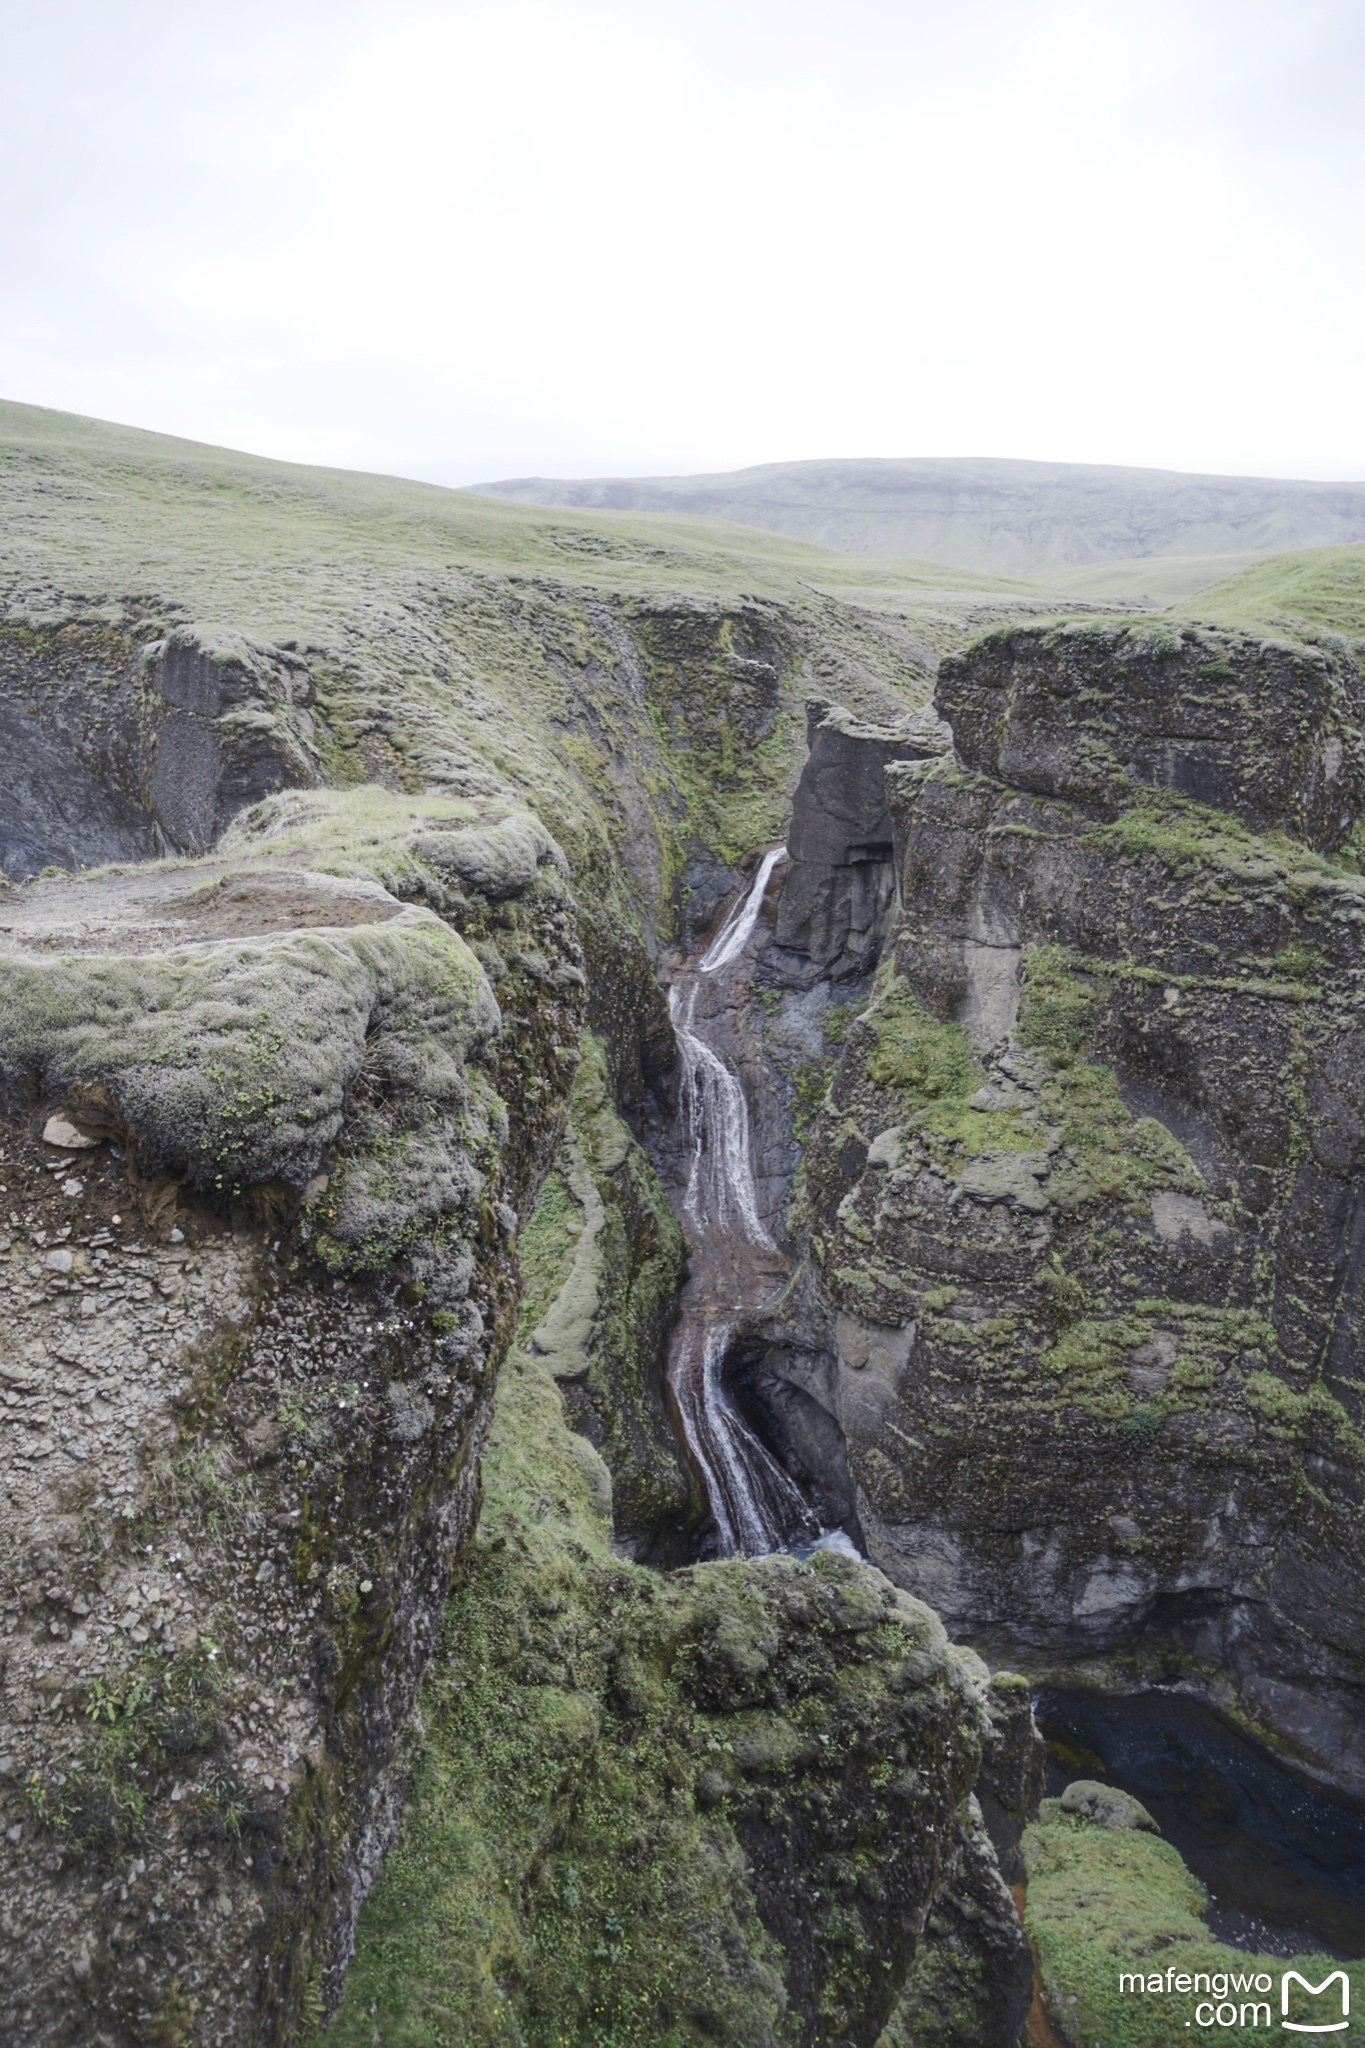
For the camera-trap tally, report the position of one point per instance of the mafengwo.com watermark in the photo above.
(1214, 2001)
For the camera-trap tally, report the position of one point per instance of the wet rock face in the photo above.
(263, 1188)
(1081, 1212)
(119, 746)
(840, 883)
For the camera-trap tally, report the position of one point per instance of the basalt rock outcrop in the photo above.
(262, 1193)
(1084, 1286)
(841, 880)
(120, 744)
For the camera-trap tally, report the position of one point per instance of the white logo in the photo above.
(1314, 1991)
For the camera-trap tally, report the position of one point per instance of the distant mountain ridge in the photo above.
(1007, 517)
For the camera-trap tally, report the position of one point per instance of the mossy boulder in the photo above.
(711, 1806)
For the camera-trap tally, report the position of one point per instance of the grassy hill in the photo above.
(1003, 517)
(1317, 589)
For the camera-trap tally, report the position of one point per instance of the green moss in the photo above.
(1089, 1356)
(839, 1019)
(604, 1240)
(546, 1247)
(232, 1064)
(1056, 1005)
(1105, 1902)
(927, 1060)
(810, 1085)
(1186, 837)
(1108, 1155)
(1299, 960)
(570, 1869)
(1300, 1414)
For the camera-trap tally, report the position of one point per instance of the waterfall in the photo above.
(742, 916)
(734, 1262)
(720, 1183)
(755, 1506)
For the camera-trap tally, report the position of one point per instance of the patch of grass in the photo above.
(151, 1714)
(1298, 1414)
(1056, 1005)
(208, 1488)
(1323, 588)
(927, 1060)
(840, 1018)
(1299, 960)
(546, 1247)
(483, 649)
(1107, 1154)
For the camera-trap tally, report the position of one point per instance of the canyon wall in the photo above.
(323, 847)
(1080, 1311)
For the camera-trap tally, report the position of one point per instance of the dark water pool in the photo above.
(1283, 1858)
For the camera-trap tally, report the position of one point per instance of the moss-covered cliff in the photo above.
(266, 1195)
(1079, 1202)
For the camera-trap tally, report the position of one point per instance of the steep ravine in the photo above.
(811, 1379)
(1073, 1329)
(1080, 1200)
(279, 1104)
(689, 1807)
(353, 1553)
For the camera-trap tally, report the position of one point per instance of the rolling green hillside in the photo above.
(1322, 589)
(482, 649)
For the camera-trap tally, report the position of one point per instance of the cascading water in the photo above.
(734, 1263)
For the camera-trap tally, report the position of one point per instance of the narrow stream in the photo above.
(734, 1263)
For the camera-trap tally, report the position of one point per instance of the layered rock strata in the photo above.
(1083, 1297)
(120, 743)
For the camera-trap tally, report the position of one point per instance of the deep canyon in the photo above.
(644, 1188)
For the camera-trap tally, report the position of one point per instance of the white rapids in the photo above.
(734, 1262)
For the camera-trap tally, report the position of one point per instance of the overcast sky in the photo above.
(577, 237)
